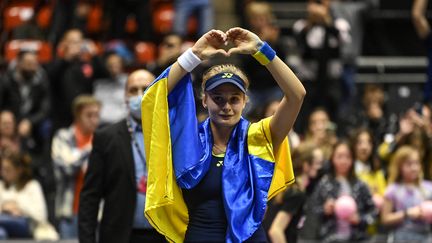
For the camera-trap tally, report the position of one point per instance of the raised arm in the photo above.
(247, 42)
(207, 46)
(419, 18)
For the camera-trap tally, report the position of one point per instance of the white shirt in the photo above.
(30, 200)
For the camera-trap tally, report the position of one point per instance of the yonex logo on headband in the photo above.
(222, 78)
(227, 75)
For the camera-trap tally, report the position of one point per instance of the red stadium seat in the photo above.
(163, 18)
(44, 17)
(94, 19)
(145, 52)
(15, 15)
(43, 49)
(131, 24)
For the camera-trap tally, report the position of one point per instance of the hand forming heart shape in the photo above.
(214, 41)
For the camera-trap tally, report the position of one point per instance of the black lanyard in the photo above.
(135, 143)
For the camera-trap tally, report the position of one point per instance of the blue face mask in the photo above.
(134, 104)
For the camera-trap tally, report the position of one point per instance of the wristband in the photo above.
(188, 60)
(265, 54)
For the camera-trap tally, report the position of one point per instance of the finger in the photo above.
(221, 51)
(232, 33)
(215, 35)
(235, 50)
(211, 53)
(235, 29)
(221, 33)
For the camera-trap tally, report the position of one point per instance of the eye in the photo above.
(235, 100)
(133, 90)
(217, 99)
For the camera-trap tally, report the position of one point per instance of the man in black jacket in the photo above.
(72, 74)
(117, 175)
(24, 90)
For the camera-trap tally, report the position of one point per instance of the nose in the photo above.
(226, 107)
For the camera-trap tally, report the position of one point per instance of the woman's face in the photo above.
(225, 104)
(342, 160)
(411, 168)
(9, 173)
(318, 124)
(363, 146)
(7, 124)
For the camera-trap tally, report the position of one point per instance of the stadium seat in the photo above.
(17, 14)
(145, 52)
(94, 20)
(131, 24)
(44, 17)
(163, 18)
(43, 49)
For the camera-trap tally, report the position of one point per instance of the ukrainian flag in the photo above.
(178, 153)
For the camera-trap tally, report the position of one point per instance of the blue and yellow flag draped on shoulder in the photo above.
(178, 153)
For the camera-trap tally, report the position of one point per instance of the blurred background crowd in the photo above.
(364, 130)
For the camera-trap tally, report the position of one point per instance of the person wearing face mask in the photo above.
(24, 90)
(117, 174)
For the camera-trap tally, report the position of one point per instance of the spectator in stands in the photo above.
(367, 167)
(422, 28)
(110, 91)
(288, 207)
(321, 131)
(355, 13)
(342, 181)
(70, 151)
(320, 37)
(23, 211)
(185, 9)
(413, 131)
(24, 90)
(366, 164)
(71, 75)
(404, 196)
(9, 139)
(66, 15)
(169, 50)
(371, 115)
(262, 21)
(117, 174)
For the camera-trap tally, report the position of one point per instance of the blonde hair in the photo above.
(259, 8)
(222, 68)
(401, 155)
(82, 101)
